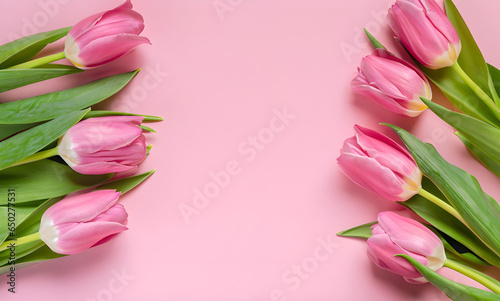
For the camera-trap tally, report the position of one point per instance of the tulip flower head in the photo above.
(395, 234)
(426, 32)
(393, 83)
(104, 145)
(377, 163)
(104, 37)
(79, 222)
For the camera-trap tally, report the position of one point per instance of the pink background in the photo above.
(267, 231)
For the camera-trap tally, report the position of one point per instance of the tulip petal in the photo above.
(382, 250)
(106, 49)
(369, 174)
(80, 208)
(80, 237)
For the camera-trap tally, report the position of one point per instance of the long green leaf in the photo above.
(448, 224)
(12, 215)
(48, 106)
(15, 78)
(21, 251)
(454, 290)
(495, 77)
(127, 184)
(7, 130)
(23, 49)
(483, 137)
(44, 179)
(147, 118)
(460, 188)
(24, 144)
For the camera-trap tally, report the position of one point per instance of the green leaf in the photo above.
(454, 290)
(362, 231)
(147, 129)
(23, 49)
(376, 44)
(48, 106)
(127, 184)
(24, 144)
(147, 118)
(7, 130)
(44, 179)
(21, 251)
(483, 157)
(448, 224)
(15, 78)
(495, 77)
(461, 189)
(470, 59)
(16, 214)
(482, 136)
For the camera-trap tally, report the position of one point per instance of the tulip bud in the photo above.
(79, 222)
(104, 37)
(104, 145)
(393, 83)
(426, 32)
(395, 234)
(377, 163)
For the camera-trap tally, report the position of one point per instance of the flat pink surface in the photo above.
(257, 104)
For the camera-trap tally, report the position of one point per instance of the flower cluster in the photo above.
(80, 205)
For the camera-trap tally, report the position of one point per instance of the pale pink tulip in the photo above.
(426, 32)
(104, 145)
(393, 83)
(79, 222)
(395, 234)
(104, 37)
(377, 163)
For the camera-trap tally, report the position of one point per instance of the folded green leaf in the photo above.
(362, 231)
(448, 224)
(147, 118)
(454, 290)
(23, 49)
(48, 106)
(461, 189)
(483, 137)
(24, 144)
(376, 44)
(126, 184)
(495, 77)
(43, 180)
(490, 163)
(15, 78)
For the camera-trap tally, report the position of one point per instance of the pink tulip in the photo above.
(104, 145)
(79, 222)
(393, 83)
(104, 37)
(377, 163)
(426, 32)
(395, 234)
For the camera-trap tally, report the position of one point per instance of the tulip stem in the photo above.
(38, 156)
(492, 105)
(485, 280)
(40, 61)
(20, 241)
(442, 204)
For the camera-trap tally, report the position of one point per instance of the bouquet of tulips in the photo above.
(456, 224)
(61, 162)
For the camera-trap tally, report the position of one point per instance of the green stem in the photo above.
(40, 61)
(485, 280)
(38, 156)
(442, 204)
(20, 241)
(479, 92)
